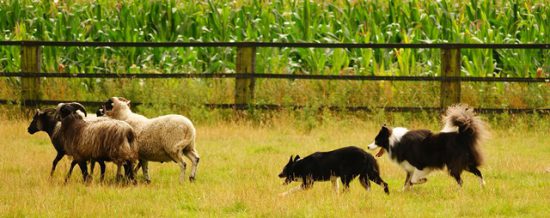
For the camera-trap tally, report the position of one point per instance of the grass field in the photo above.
(237, 177)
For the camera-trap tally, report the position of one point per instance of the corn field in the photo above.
(475, 21)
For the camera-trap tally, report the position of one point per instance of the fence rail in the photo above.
(543, 111)
(270, 76)
(450, 78)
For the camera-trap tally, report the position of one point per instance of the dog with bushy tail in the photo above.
(421, 151)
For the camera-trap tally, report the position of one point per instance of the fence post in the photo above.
(450, 67)
(31, 57)
(244, 87)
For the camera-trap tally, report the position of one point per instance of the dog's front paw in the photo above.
(421, 181)
(482, 182)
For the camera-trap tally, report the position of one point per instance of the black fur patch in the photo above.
(346, 163)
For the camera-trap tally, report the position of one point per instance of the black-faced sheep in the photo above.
(46, 120)
(160, 139)
(103, 140)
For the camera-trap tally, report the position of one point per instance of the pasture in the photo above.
(240, 161)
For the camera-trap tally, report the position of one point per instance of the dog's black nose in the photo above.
(281, 175)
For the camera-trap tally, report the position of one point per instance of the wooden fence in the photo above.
(245, 67)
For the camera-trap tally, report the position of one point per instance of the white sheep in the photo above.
(102, 140)
(160, 139)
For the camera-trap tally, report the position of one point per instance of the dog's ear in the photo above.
(384, 131)
(297, 158)
(290, 161)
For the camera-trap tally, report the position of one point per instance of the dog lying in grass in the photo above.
(345, 163)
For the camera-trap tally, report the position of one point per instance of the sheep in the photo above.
(45, 120)
(164, 138)
(103, 140)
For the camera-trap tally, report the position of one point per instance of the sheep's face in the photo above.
(115, 104)
(100, 112)
(39, 121)
(36, 124)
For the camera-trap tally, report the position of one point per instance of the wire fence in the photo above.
(450, 77)
(269, 76)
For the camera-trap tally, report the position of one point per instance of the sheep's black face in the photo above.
(100, 112)
(36, 124)
(108, 106)
(43, 120)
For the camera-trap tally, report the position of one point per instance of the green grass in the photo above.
(240, 161)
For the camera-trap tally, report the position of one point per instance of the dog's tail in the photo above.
(471, 129)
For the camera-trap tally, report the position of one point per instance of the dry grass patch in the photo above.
(238, 177)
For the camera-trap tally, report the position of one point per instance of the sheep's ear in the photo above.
(128, 103)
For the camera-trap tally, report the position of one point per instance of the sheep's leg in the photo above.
(118, 172)
(145, 169)
(193, 155)
(183, 165)
(92, 166)
(137, 167)
(178, 158)
(73, 163)
(130, 172)
(127, 170)
(55, 161)
(84, 168)
(102, 169)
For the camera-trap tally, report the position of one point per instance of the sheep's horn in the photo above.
(79, 106)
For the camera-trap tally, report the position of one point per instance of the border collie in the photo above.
(346, 163)
(419, 152)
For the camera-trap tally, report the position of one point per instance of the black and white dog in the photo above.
(346, 163)
(421, 151)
